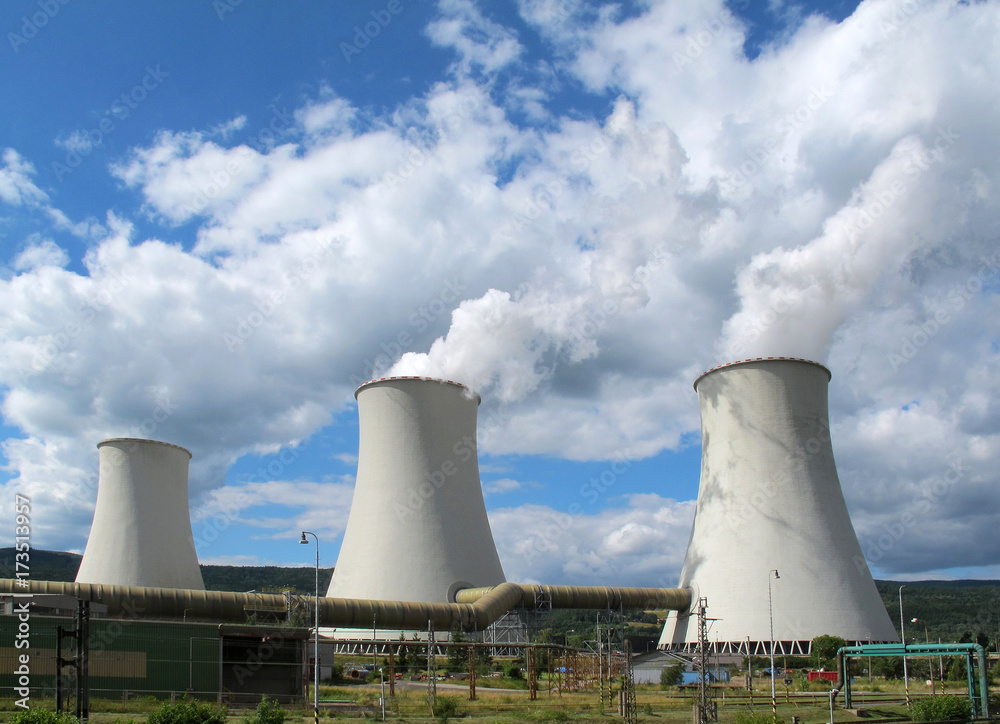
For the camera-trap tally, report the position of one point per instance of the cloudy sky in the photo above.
(217, 218)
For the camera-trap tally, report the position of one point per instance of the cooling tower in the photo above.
(418, 529)
(769, 499)
(141, 534)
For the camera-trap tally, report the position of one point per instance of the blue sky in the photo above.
(481, 180)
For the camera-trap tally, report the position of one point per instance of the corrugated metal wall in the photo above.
(130, 658)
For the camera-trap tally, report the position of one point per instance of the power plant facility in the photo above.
(772, 561)
(141, 534)
(772, 542)
(418, 482)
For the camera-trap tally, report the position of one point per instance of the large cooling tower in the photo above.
(418, 529)
(770, 499)
(141, 535)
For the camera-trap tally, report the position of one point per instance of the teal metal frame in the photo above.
(846, 653)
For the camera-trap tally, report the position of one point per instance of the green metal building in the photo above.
(131, 658)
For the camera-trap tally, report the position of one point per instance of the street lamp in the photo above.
(902, 637)
(304, 541)
(770, 616)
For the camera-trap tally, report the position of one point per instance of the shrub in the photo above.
(268, 712)
(42, 716)
(757, 717)
(671, 676)
(188, 712)
(445, 708)
(946, 707)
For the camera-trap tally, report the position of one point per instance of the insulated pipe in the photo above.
(484, 607)
(592, 597)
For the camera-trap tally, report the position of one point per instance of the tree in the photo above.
(402, 656)
(890, 667)
(458, 658)
(418, 657)
(824, 650)
(957, 670)
(671, 676)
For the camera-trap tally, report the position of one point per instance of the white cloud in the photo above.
(16, 186)
(500, 486)
(41, 253)
(641, 543)
(831, 199)
(479, 42)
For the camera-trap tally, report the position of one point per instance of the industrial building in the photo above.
(130, 657)
(772, 542)
(772, 549)
(141, 534)
(418, 484)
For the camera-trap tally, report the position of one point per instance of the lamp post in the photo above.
(930, 659)
(902, 637)
(770, 616)
(304, 541)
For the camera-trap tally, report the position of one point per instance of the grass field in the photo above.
(493, 706)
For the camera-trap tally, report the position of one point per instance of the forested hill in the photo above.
(950, 609)
(57, 566)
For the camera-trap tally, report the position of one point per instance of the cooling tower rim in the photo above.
(142, 440)
(439, 380)
(762, 359)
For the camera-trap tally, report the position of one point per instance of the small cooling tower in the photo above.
(770, 499)
(418, 529)
(141, 534)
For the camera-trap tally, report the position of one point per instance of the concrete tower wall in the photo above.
(141, 534)
(418, 529)
(770, 498)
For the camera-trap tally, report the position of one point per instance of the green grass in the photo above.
(502, 707)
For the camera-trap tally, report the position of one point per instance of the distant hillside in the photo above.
(58, 566)
(43, 565)
(949, 608)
